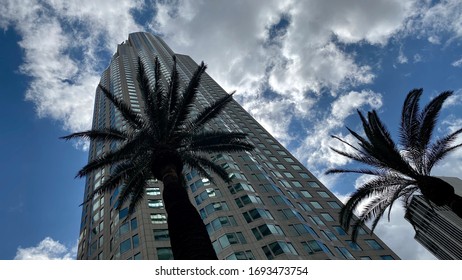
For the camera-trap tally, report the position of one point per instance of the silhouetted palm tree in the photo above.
(167, 135)
(401, 170)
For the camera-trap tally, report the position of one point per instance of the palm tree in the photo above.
(399, 171)
(167, 135)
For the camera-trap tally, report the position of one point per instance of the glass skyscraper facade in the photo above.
(273, 209)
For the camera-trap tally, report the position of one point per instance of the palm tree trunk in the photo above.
(188, 236)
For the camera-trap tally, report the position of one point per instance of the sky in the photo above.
(301, 68)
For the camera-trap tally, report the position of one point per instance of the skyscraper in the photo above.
(274, 208)
(437, 228)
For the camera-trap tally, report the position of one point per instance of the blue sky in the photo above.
(301, 68)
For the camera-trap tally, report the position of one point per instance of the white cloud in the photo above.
(402, 58)
(273, 116)
(47, 249)
(435, 20)
(298, 64)
(457, 63)
(434, 39)
(63, 60)
(315, 150)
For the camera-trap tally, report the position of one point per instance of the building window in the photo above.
(313, 184)
(306, 194)
(316, 205)
(136, 240)
(241, 255)
(240, 187)
(125, 246)
(209, 192)
(218, 223)
(293, 194)
(279, 247)
(276, 174)
(297, 184)
(296, 167)
(134, 223)
(386, 257)
(156, 203)
(353, 245)
(304, 175)
(270, 187)
(288, 175)
(311, 247)
(316, 220)
(290, 213)
(124, 228)
(288, 159)
(158, 218)
(164, 253)
(228, 239)
(264, 230)
(153, 191)
(285, 184)
(323, 194)
(302, 229)
(304, 206)
(280, 166)
(255, 214)
(161, 235)
(327, 217)
(247, 199)
(279, 200)
(329, 235)
(374, 244)
(342, 251)
(334, 204)
(213, 207)
(339, 230)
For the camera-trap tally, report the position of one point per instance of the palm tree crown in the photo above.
(168, 134)
(399, 170)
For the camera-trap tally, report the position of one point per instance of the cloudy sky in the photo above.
(301, 68)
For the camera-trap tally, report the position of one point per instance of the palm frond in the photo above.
(170, 102)
(375, 187)
(151, 110)
(133, 119)
(136, 196)
(209, 113)
(440, 149)
(374, 211)
(384, 148)
(429, 116)
(219, 141)
(359, 171)
(201, 164)
(188, 97)
(410, 121)
(366, 159)
(125, 152)
(104, 134)
(118, 176)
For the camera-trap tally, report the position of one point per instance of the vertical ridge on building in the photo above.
(437, 228)
(274, 208)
